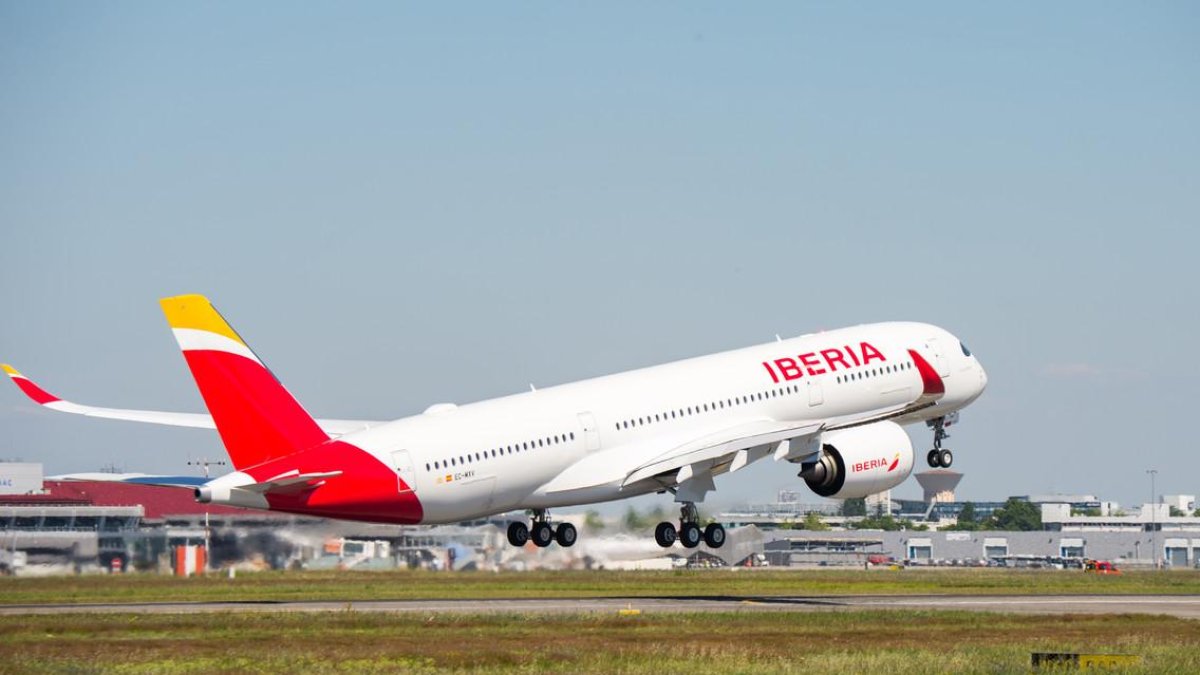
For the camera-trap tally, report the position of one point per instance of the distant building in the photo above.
(1184, 503)
(20, 478)
(879, 502)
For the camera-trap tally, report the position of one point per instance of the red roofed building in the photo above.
(158, 502)
(80, 524)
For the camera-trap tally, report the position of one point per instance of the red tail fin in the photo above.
(256, 416)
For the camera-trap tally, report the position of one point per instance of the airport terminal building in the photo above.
(57, 526)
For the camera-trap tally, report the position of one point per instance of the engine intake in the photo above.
(860, 461)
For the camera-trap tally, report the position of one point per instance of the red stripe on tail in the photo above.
(258, 418)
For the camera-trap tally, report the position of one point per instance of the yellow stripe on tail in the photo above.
(197, 313)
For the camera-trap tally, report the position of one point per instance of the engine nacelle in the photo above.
(860, 461)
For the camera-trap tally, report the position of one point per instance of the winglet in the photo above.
(39, 395)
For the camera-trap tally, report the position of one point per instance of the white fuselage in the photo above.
(517, 452)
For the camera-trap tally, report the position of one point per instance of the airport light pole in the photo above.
(1153, 517)
(207, 532)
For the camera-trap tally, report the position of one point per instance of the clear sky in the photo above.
(401, 204)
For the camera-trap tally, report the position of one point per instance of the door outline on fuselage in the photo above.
(940, 362)
(816, 396)
(591, 433)
(405, 474)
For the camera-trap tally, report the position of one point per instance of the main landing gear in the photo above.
(939, 457)
(689, 533)
(541, 532)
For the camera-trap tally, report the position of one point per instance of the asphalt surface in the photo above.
(1183, 606)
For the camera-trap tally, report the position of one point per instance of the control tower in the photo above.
(939, 484)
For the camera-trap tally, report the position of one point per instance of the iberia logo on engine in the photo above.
(875, 464)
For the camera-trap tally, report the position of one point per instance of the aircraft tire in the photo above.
(565, 534)
(714, 535)
(945, 458)
(541, 534)
(665, 535)
(689, 535)
(518, 533)
(933, 458)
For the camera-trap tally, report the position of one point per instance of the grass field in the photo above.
(881, 641)
(403, 585)
(877, 642)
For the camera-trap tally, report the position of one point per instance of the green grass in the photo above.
(853, 641)
(400, 585)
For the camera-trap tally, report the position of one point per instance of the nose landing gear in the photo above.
(939, 457)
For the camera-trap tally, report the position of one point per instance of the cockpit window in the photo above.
(966, 352)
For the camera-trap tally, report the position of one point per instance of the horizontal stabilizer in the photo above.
(292, 481)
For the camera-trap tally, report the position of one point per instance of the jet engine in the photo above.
(860, 461)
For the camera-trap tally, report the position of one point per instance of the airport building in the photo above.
(1072, 526)
(1013, 549)
(58, 526)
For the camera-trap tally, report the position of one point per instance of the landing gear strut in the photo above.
(940, 457)
(689, 533)
(542, 533)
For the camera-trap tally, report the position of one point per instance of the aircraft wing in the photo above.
(720, 451)
(729, 448)
(175, 419)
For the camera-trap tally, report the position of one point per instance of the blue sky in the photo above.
(400, 204)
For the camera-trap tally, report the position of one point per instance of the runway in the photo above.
(1182, 606)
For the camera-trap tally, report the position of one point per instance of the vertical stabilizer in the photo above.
(258, 418)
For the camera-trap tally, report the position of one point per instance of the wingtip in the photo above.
(27, 386)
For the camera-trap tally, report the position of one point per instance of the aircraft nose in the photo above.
(982, 379)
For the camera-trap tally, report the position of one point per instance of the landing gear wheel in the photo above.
(945, 458)
(518, 534)
(542, 534)
(933, 458)
(565, 535)
(689, 535)
(664, 535)
(714, 535)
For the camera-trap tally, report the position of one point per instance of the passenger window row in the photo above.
(524, 446)
(702, 408)
(874, 372)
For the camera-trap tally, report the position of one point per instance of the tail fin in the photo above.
(257, 418)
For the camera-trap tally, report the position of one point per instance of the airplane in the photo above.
(831, 404)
